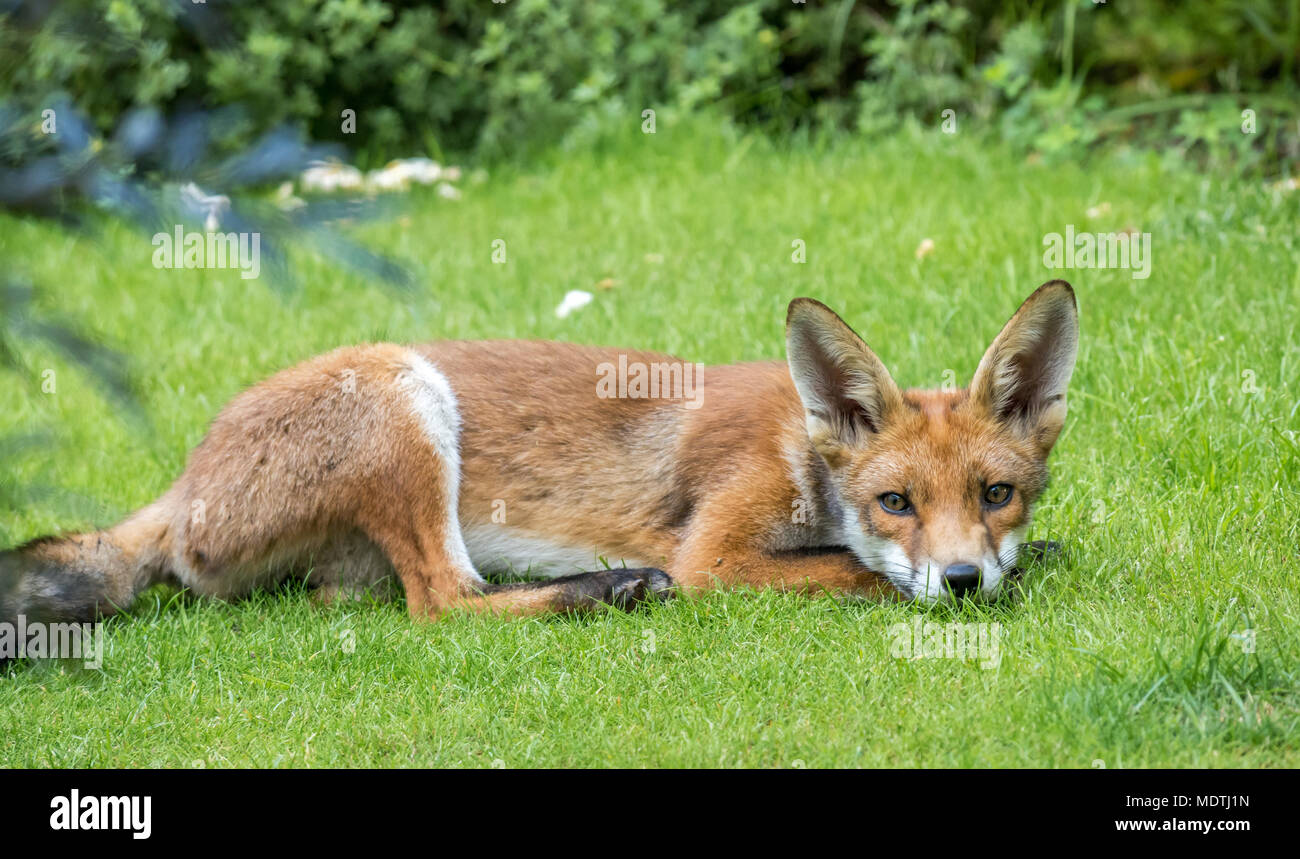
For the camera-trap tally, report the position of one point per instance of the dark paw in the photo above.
(620, 588)
(584, 591)
(644, 584)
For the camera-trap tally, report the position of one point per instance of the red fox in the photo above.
(440, 462)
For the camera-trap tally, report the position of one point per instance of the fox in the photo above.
(436, 466)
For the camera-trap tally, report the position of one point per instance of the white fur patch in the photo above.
(499, 549)
(434, 403)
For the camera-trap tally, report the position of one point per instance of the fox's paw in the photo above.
(584, 591)
(618, 587)
(644, 584)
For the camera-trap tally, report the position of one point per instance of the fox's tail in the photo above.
(75, 578)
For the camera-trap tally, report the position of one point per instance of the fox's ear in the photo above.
(847, 393)
(1022, 378)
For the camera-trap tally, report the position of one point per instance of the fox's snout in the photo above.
(973, 576)
(961, 579)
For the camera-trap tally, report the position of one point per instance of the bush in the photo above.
(499, 79)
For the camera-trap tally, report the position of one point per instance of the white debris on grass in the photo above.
(573, 299)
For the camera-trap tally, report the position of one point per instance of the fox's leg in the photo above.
(411, 514)
(723, 549)
(833, 573)
(622, 588)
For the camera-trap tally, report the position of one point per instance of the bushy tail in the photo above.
(75, 578)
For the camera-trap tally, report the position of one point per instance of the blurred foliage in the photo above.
(88, 148)
(22, 324)
(499, 79)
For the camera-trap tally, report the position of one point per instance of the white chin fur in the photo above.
(882, 556)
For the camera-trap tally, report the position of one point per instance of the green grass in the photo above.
(1174, 486)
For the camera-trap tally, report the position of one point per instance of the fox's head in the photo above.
(935, 488)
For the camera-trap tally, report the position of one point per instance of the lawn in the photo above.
(1168, 636)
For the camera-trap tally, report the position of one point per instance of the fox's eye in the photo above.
(895, 503)
(997, 494)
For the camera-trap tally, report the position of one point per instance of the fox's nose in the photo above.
(960, 578)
